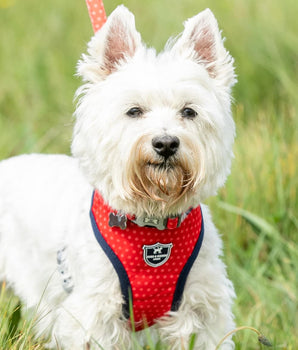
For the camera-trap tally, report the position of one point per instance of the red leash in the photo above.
(97, 13)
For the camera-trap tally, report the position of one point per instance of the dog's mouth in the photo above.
(161, 180)
(161, 165)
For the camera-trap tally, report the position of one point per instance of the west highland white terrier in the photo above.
(116, 238)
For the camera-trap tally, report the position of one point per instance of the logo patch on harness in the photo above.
(157, 254)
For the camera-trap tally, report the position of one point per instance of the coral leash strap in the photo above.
(97, 13)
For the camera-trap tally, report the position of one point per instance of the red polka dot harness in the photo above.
(152, 264)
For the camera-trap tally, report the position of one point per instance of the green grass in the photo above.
(256, 212)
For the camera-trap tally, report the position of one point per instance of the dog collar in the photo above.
(171, 222)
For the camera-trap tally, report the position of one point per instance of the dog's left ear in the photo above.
(201, 41)
(113, 44)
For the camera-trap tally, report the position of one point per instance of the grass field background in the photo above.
(40, 43)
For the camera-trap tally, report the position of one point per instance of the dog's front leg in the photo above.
(91, 318)
(72, 331)
(205, 311)
(195, 325)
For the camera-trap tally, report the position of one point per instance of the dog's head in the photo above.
(154, 133)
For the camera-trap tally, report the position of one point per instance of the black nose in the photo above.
(165, 145)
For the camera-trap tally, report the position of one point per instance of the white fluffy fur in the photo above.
(45, 199)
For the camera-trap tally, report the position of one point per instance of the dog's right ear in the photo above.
(111, 46)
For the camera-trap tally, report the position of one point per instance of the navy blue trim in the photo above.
(185, 271)
(123, 277)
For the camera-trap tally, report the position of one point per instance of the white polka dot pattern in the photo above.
(153, 288)
(97, 13)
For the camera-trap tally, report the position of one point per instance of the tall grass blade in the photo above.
(254, 220)
(14, 321)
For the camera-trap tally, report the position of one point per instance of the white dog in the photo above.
(116, 238)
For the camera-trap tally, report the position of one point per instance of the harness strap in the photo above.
(64, 271)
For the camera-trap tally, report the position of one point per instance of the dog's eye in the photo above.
(134, 112)
(188, 113)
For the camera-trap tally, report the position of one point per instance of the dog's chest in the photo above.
(152, 265)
